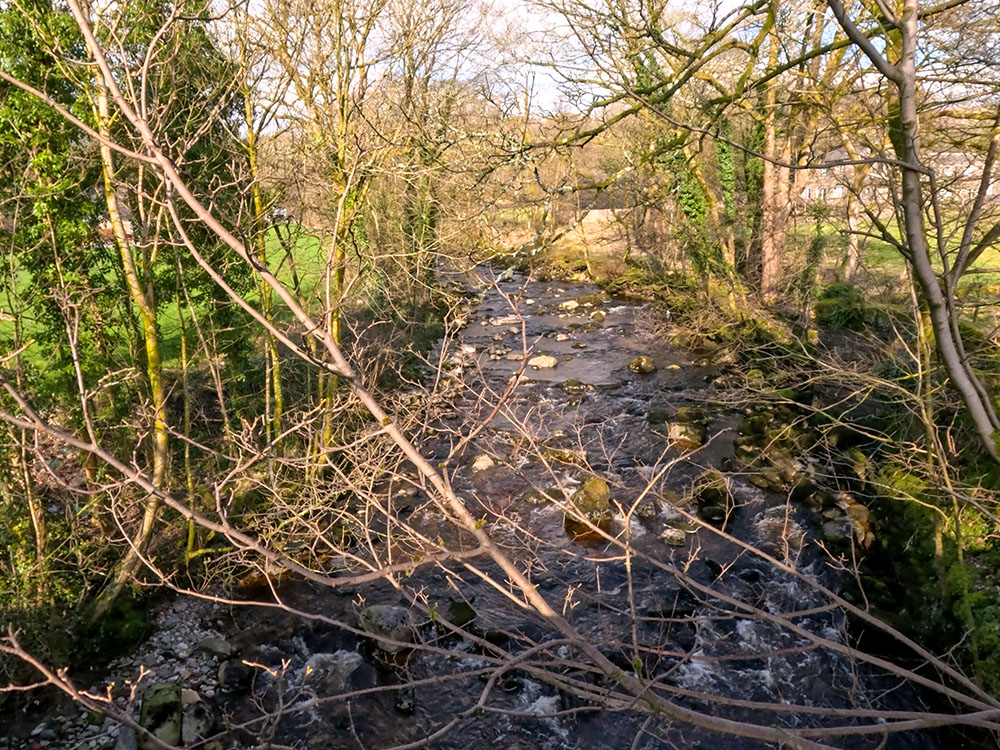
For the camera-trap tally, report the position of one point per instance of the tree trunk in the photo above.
(908, 150)
(141, 291)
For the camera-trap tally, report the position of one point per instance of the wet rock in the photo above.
(711, 488)
(482, 462)
(767, 478)
(215, 646)
(593, 502)
(573, 387)
(642, 365)
(860, 519)
(197, 723)
(575, 456)
(598, 316)
(755, 423)
(578, 345)
(331, 674)
(648, 508)
(839, 531)
(543, 362)
(686, 434)
(593, 299)
(673, 537)
(389, 622)
(593, 498)
(569, 305)
(160, 714)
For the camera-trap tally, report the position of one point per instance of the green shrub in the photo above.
(841, 305)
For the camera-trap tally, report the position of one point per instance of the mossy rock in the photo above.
(691, 414)
(686, 435)
(755, 423)
(593, 500)
(161, 713)
(573, 387)
(642, 365)
(711, 489)
(841, 305)
(593, 298)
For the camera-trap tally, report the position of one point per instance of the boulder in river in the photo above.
(543, 362)
(642, 365)
(674, 537)
(331, 674)
(647, 508)
(686, 434)
(385, 621)
(593, 299)
(482, 462)
(160, 714)
(573, 387)
(839, 531)
(593, 502)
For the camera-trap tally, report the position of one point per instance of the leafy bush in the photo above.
(841, 305)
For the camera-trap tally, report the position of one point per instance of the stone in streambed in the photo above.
(543, 362)
(642, 365)
(573, 387)
(714, 499)
(482, 462)
(686, 434)
(674, 537)
(647, 508)
(333, 674)
(384, 621)
(593, 502)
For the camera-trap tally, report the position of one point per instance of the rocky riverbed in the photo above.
(597, 475)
